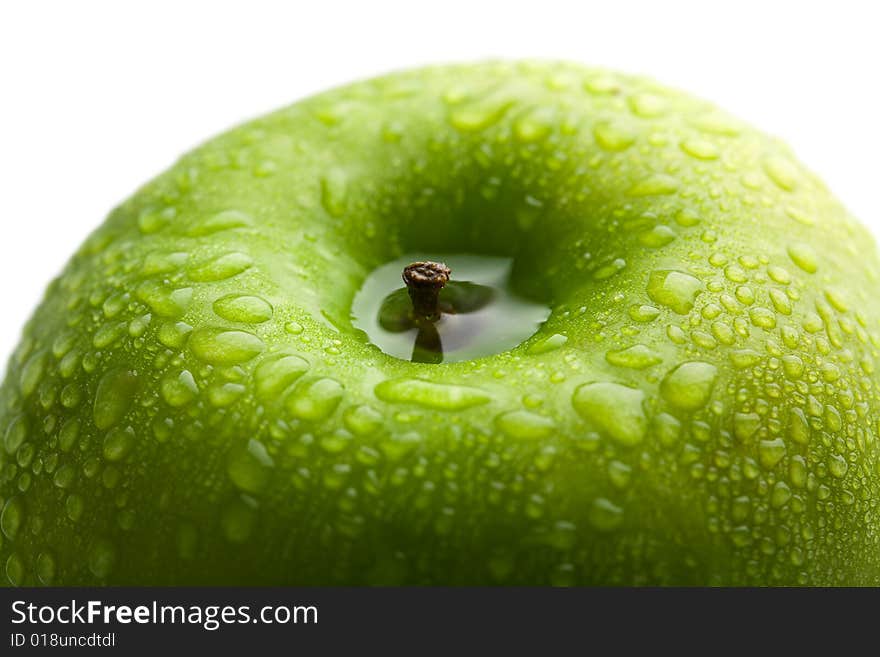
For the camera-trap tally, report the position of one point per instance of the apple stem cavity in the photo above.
(424, 280)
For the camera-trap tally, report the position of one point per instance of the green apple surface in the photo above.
(193, 402)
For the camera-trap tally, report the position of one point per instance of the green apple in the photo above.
(193, 402)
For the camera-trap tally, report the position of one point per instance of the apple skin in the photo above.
(190, 404)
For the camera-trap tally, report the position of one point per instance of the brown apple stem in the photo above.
(424, 280)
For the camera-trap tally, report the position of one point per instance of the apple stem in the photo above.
(424, 280)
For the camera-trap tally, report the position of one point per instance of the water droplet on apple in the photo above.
(479, 114)
(114, 396)
(647, 105)
(674, 289)
(238, 519)
(220, 268)
(164, 300)
(525, 425)
(16, 571)
(604, 515)
(221, 396)
(65, 476)
(637, 357)
(551, 343)
(45, 567)
(225, 220)
(12, 517)
(334, 192)
(221, 347)
(771, 452)
(656, 185)
(439, 396)
(68, 435)
(118, 443)
(689, 386)
(15, 435)
(614, 409)
(782, 172)
(804, 257)
(535, 125)
(274, 376)
(702, 149)
(314, 400)
(245, 308)
(102, 558)
(613, 136)
(179, 389)
(363, 420)
(250, 467)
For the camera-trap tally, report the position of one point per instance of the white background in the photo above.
(98, 97)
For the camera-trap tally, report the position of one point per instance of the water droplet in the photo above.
(797, 471)
(837, 466)
(238, 519)
(74, 507)
(102, 558)
(273, 377)
(643, 313)
(179, 389)
(656, 185)
(535, 125)
(16, 571)
(220, 347)
(674, 289)
(16, 433)
(657, 237)
(163, 300)
(250, 466)
(65, 476)
(314, 400)
(12, 517)
(743, 358)
(548, 344)
(225, 220)
(220, 268)
(762, 318)
(479, 114)
(108, 334)
(780, 496)
(334, 192)
(362, 420)
(118, 443)
(780, 301)
(782, 172)
(439, 396)
(702, 149)
(525, 425)
(745, 425)
(804, 257)
(68, 434)
(220, 396)
(614, 409)
(114, 396)
(647, 105)
(174, 334)
(243, 308)
(619, 474)
(152, 220)
(32, 373)
(636, 357)
(771, 452)
(45, 568)
(604, 515)
(689, 386)
(163, 263)
(613, 137)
